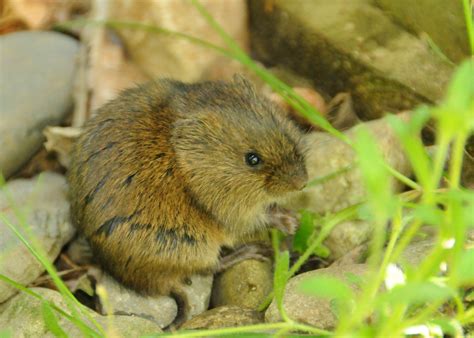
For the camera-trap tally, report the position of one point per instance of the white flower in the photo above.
(448, 243)
(394, 276)
(443, 266)
(427, 331)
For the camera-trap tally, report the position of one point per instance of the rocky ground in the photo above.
(353, 50)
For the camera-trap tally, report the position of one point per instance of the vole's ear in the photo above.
(243, 83)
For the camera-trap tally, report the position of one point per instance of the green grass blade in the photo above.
(51, 321)
(326, 287)
(409, 135)
(5, 333)
(469, 24)
(280, 278)
(330, 176)
(306, 228)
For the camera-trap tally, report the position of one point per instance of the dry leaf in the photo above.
(341, 112)
(61, 140)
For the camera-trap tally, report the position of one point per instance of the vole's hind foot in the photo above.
(248, 251)
(284, 220)
(183, 309)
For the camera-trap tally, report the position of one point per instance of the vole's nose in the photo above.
(300, 179)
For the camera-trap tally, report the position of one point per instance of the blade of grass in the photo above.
(469, 25)
(51, 321)
(330, 176)
(267, 327)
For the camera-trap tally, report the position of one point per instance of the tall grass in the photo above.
(413, 303)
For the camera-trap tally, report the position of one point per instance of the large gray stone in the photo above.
(162, 310)
(312, 310)
(328, 155)
(349, 46)
(42, 204)
(347, 236)
(425, 16)
(36, 81)
(23, 317)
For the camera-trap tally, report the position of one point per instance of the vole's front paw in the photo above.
(284, 220)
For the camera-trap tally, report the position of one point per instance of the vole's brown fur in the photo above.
(159, 181)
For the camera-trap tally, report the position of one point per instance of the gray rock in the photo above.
(311, 310)
(198, 294)
(23, 316)
(328, 155)
(347, 236)
(223, 316)
(162, 310)
(416, 252)
(350, 46)
(245, 284)
(358, 255)
(42, 203)
(425, 16)
(36, 80)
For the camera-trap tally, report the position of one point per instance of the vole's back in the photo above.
(130, 200)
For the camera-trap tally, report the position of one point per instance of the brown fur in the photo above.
(159, 181)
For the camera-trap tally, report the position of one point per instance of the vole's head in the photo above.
(236, 147)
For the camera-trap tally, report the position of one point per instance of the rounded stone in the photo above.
(245, 284)
(36, 81)
(312, 310)
(23, 316)
(44, 221)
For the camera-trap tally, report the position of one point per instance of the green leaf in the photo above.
(465, 269)
(5, 333)
(416, 293)
(456, 113)
(450, 327)
(281, 275)
(374, 174)
(322, 251)
(428, 214)
(409, 135)
(326, 287)
(51, 321)
(460, 93)
(306, 228)
(355, 280)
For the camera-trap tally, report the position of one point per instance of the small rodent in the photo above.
(168, 173)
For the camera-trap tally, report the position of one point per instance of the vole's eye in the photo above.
(252, 159)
